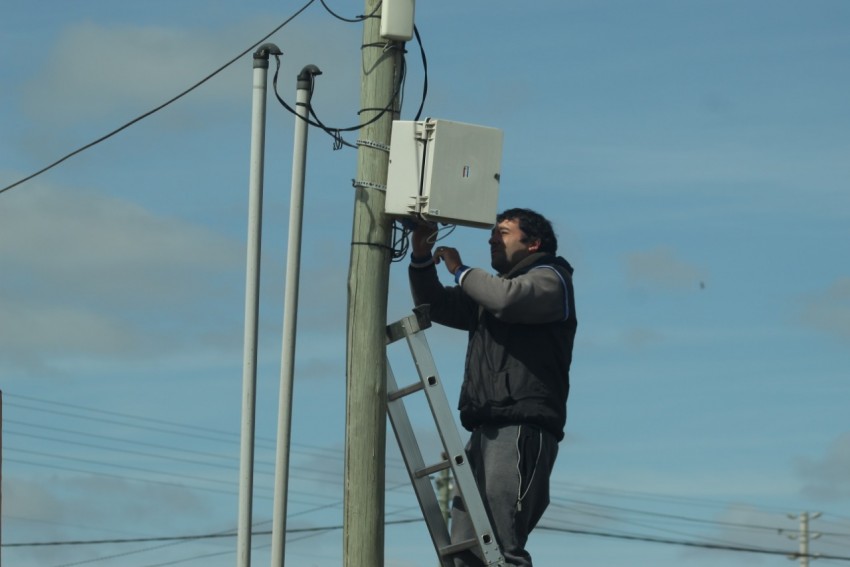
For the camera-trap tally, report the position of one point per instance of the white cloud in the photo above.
(32, 331)
(829, 310)
(638, 338)
(104, 71)
(63, 506)
(828, 479)
(659, 268)
(84, 273)
(105, 248)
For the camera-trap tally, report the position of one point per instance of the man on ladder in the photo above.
(521, 326)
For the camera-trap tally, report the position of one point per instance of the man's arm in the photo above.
(538, 296)
(449, 305)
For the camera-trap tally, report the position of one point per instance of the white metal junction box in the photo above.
(397, 19)
(445, 172)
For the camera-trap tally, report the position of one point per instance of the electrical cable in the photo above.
(161, 106)
(335, 133)
(564, 503)
(401, 233)
(137, 443)
(307, 472)
(220, 436)
(679, 500)
(123, 477)
(648, 539)
(170, 458)
(357, 18)
(668, 516)
(541, 527)
(567, 504)
(117, 466)
(424, 71)
(657, 528)
(130, 425)
(401, 243)
(120, 414)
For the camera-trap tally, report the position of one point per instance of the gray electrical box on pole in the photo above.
(443, 171)
(368, 283)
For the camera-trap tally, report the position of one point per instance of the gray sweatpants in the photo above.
(511, 465)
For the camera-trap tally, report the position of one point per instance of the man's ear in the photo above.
(534, 246)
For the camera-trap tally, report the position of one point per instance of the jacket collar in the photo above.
(535, 259)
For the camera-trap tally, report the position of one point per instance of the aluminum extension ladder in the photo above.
(484, 543)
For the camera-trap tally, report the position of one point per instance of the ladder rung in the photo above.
(406, 391)
(427, 471)
(419, 321)
(456, 548)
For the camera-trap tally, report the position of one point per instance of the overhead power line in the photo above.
(719, 547)
(198, 537)
(161, 106)
(335, 132)
(230, 534)
(567, 510)
(671, 516)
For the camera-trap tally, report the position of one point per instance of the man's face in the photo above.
(507, 248)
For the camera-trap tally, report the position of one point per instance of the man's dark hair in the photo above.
(534, 226)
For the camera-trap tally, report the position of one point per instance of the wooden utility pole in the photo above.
(368, 283)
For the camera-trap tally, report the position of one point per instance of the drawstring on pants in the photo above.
(520, 494)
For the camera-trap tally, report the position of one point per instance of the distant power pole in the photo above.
(368, 284)
(804, 536)
(1, 470)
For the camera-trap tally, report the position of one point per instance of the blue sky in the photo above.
(694, 157)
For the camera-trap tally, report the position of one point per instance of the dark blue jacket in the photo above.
(521, 330)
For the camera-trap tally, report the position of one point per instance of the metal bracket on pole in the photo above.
(374, 145)
(368, 185)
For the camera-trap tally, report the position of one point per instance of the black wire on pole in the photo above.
(354, 20)
(336, 132)
(424, 73)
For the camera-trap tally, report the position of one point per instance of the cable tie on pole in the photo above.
(368, 185)
(374, 244)
(374, 145)
(381, 110)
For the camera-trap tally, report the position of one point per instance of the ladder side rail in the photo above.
(444, 418)
(414, 461)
